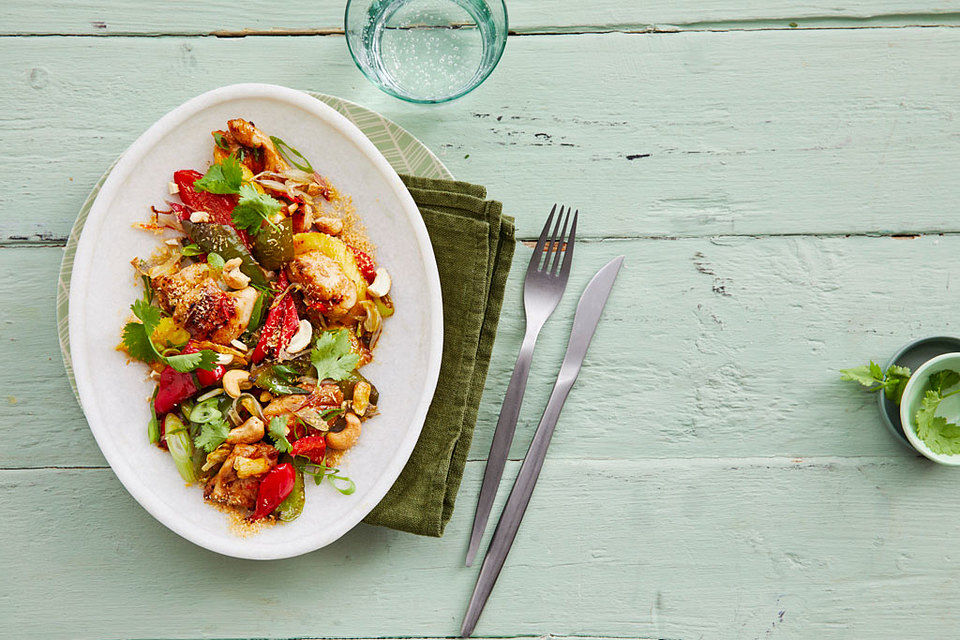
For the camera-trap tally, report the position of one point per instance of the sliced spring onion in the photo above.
(289, 153)
(180, 446)
(153, 427)
(205, 411)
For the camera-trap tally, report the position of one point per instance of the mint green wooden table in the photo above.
(782, 178)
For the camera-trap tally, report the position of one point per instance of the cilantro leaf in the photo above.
(253, 209)
(332, 356)
(149, 315)
(864, 375)
(278, 431)
(224, 177)
(137, 343)
(205, 359)
(892, 383)
(215, 261)
(943, 380)
(941, 436)
(212, 435)
(137, 335)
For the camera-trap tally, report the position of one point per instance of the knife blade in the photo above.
(585, 322)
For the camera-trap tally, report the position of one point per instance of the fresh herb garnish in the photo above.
(278, 431)
(222, 177)
(321, 471)
(191, 250)
(289, 153)
(941, 436)
(332, 355)
(253, 209)
(212, 434)
(138, 341)
(215, 261)
(873, 377)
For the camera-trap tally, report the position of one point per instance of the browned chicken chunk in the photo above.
(248, 135)
(198, 303)
(228, 488)
(324, 283)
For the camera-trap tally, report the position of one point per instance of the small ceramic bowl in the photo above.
(912, 396)
(912, 355)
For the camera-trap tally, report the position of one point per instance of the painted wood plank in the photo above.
(825, 548)
(709, 347)
(692, 134)
(112, 17)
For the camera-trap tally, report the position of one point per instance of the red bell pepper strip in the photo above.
(219, 205)
(275, 486)
(313, 447)
(174, 388)
(281, 323)
(365, 263)
(206, 377)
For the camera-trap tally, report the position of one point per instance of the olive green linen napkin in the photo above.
(473, 244)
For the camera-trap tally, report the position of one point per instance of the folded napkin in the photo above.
(473, 244)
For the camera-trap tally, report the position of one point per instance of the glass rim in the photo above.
(468, 88)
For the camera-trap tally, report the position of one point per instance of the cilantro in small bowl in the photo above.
(930, 409)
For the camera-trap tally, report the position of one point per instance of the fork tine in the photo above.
(558, 253)
(538, 251)
(568, 254)
(553, 239)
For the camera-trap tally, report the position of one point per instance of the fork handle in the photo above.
(502, 438)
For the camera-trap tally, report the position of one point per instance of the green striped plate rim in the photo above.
(404, 152)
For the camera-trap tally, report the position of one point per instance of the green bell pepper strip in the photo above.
(224, 241)
(273, 246)
(292, 506)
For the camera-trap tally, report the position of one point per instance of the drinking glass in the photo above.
(426, 50)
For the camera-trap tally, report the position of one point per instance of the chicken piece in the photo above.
(198, 303)
(244, 301)
(324, 283)
(227, 488)
(325, 395)
(248, 135)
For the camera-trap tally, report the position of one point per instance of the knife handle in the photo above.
(516, 505)
(502, 438)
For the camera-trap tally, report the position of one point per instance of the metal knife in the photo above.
(585, 322)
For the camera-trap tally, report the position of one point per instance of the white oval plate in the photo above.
(114, 394)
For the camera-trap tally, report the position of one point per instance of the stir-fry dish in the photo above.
(260, 307)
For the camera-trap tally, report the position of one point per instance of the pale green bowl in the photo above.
(912, 396)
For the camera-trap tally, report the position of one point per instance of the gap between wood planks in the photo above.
(531, 241)
(781, 461)
(881, 21)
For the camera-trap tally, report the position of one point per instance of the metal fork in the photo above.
(542, 289)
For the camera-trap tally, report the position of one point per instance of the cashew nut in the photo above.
(199, 216)
(381, 284)
(249, 432)
(233, 379)
(301, 339)
(326, 224)
(343, 440)
(232, 276)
